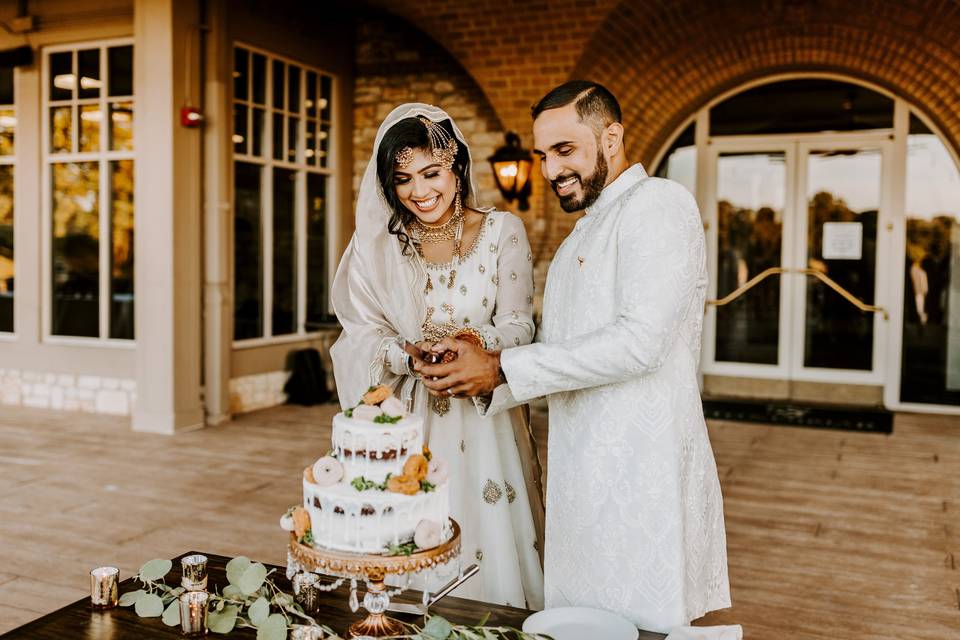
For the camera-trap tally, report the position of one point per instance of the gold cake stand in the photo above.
(374, 569)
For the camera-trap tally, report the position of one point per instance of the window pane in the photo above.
(323, 145)
(121, 126)
(278, 75)
(247, 253)
(120, 70)
(8, 126)
(6, 85)
(930, 366)
(240, 128)
(277, 136)
(680, 162)
(259, 79)
(62, 80)
(256, 137)
(88, 62)
(90, 117)
(6, 248)
(293, 134)
(284, 252)
(240, 77)
(316, 250)
(293, 89)
(311, 98)
(75, 250)
(751, 195)
(325, 97)
(802, 106)
(121, 249)
(61, 130)
(310, 143)
(843, 186)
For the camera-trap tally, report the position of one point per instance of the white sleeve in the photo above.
(659, 256)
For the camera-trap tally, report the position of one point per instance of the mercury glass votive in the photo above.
(306, 593)
(193, 612)
(194, 570)
(104, 587)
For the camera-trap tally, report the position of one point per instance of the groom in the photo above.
(634, 512)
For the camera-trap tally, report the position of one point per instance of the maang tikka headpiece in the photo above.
(443, 146)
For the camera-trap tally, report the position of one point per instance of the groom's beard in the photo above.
(592, 186)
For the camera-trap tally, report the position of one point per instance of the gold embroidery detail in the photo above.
(453, 278)
(478, 555)
(429, 284)
(463, 446)
(492, 492)
(514, 239)
(513, 275)
(449, 308)
(511, 492)
(441, 405)
(463, 289)
(483, 269)
(493, 248)
(580, 260)
(484, 301)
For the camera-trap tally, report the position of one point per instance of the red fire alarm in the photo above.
(190, 116)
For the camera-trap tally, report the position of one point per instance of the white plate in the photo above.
(580, 623)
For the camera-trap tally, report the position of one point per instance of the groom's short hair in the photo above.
(595, 105)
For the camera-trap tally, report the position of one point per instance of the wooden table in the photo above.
(78, 620)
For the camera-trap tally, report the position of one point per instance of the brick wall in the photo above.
(664, 59)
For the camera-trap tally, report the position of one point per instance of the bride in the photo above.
(423, 264)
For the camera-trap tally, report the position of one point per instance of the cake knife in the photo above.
(419, 609)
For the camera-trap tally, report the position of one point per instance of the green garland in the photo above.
(252, 600)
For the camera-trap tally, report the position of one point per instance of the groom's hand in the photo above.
(475, 372)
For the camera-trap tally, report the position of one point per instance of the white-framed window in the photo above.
(8, 127)
(283, 189)
(88, 163)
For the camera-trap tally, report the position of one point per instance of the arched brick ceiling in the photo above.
(666, 58)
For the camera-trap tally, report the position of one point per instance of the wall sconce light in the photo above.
(511, 169)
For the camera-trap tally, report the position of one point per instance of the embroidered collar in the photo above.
(617, 188)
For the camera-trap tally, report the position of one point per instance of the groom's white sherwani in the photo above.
(634, 512)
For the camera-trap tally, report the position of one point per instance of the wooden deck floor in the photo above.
(830, 534)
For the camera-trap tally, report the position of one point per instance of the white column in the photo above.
(217, 214)
(168, 219)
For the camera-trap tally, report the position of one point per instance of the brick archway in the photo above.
(665, 59)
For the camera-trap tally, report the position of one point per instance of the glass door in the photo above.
(792, 227)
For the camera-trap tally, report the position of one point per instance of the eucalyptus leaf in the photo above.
(236, 567)
(252, 578)
(489, 635)
(437, 628)
(259, 611)
(273, 628)
(222, 621)
(131, 597)
(171, 615)
(232, 591)
(281, 599)
(155, 569)
(149, 606)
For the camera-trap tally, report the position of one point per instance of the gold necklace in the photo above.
(449, 230)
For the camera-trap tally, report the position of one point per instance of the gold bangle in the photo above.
(471, 335)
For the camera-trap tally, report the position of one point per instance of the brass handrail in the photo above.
(819, 275)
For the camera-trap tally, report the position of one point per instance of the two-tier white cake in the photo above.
(378, 490)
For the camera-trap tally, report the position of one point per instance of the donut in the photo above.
(416, 467)
(393, 407)
(286, 522)
(437, 473)
(427, 534)
(377, 395)
(366, 412)
(301, 522)
(403, 484)
(327, 471)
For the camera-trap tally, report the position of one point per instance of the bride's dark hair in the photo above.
(410, 132)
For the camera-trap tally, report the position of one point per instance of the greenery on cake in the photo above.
(362, 484)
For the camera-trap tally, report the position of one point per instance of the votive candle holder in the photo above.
(193, 612)
(194, 572)
(104, 587)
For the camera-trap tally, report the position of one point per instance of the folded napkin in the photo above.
(728, 632)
